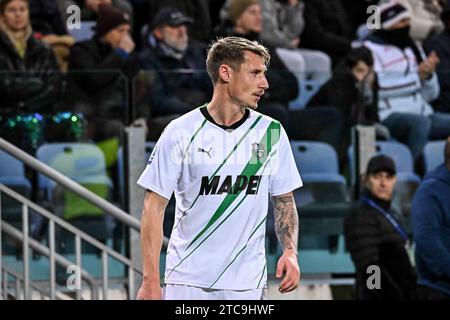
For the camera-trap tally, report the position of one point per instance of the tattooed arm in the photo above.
(286, 228)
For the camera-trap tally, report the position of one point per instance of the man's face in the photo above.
(114, 36)
(174, 36)
(94, 4)
(247, 85)
(16, 15)
(381, 184)
(251, 19)
(361, 70)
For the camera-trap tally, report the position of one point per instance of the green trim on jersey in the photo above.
(194, 135)
(252, 167)
(228, 156)
(217, 227)
(240, 251)
(220, 166)
(262, 275)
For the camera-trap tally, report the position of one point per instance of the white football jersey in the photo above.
(222, 179)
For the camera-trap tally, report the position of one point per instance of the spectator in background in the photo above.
(283, 25)
(29, 82)
(407, 82)
(199, 10)
(49, 26)
(441, 45)
(245, 20)
(425, 17)
(327, 28)
(375, 237)
(100, 69)
(352, 90)
(431, 230)
(89, 12)
(180, 80)
(323, 124)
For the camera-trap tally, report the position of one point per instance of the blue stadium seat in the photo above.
(318, 165)
(433, 154)
(12, 175)
(323, 204)
(307, 90)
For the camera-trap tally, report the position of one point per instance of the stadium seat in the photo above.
(323, 203)
(85, 164)
(308, 88)
(433, 154)
(12, 175)
(317, 163)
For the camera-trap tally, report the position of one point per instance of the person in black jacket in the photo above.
(327, 28)
(181, 82)
(100, 71)
(353, 91)
(441, 45)
(199, 10)
(375, 238)
(29, 81)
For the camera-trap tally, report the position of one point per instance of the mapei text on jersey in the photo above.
(242, 182)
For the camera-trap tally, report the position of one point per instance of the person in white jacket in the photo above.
(407, 82)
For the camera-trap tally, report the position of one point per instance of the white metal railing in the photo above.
(54, 257)
(108, 208)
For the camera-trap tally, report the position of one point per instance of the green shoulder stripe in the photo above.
(270, 138)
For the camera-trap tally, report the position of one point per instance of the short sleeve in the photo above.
(164, 164)
(284, 176)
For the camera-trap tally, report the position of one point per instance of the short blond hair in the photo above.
(231, 51)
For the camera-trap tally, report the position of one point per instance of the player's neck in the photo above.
(224, 112)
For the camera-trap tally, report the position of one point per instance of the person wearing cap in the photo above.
(168, 48)
(376, 238)
(99, 90)
(90, 8)
(441, 45)
(431, 231)
(407, 82)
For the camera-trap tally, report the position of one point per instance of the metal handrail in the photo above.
(109, 208)
(71, 185)
(80, 236)
(16, 275)
(43, 250)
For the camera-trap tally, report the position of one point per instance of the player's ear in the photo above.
(225, 73)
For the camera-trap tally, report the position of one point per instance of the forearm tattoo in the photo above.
(286, 221)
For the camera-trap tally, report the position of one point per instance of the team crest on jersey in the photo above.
(258, 150)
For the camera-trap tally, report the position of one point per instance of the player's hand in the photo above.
(288, 265)
(149, 290)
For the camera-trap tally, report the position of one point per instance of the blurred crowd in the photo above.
(82, 70)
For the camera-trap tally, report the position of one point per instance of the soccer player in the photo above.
(222, 160)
